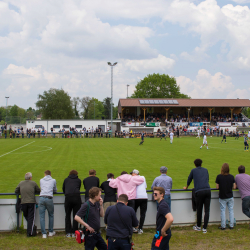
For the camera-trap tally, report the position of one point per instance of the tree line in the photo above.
(57, 104)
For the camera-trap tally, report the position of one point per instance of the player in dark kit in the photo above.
(142, 138)
(246, 143)
(237, 135)
(224, 138)
(164, 135)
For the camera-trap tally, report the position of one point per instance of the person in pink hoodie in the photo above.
(126, 184)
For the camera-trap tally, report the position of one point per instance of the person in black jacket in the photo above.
(71, 190)
(120, 220)
(89, 182)
(110, 198)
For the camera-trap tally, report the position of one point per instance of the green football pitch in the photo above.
(18, 156)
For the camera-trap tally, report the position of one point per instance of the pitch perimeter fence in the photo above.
(181, 208)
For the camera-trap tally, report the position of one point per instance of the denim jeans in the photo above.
(46, 203)
(246, 206)
(167, 198)
(230, 204)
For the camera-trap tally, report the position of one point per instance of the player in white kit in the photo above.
(249, 134)
(198, 133)
(204, 141)
(171, 137)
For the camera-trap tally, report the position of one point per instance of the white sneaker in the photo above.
(73, 236)
(204, 230)
(196, 228)
(135, 230)
(140, 231)
(44, 236)
(68, 235)
(52, 233)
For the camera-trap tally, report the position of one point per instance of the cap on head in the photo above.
(135, 171)
(163, 169)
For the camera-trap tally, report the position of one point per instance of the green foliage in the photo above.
(246, 111)
(55, 104)
(158, 86)
(95, 109)
(13, 111)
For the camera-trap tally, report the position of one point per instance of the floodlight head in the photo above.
(109, 63)
(114, 63)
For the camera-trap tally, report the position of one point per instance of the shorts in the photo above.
(204, 142)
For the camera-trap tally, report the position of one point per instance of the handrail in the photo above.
(148, 191)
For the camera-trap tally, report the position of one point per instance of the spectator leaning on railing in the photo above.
(202, 193)
(242, 181)
(71, 189)
(126, 184)
(89, 182)
(225, 183)
(48, 187)
(27, 189)
(164, 181)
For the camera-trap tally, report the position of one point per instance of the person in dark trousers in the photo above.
(94, 210)
(89, 182)
(202, 193)
(141, 201)
(142, 138)
(110, 197)
(27, 189)
(71, 189)
(120, 220)
(164, 220)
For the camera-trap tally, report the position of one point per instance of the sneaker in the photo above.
(52, 233)
(73, 235)
(231, 228)
(196, 228)
(135, 230)
(140, 231)
(68, 235)
(204, 230)
(44, 236)
(221, 228)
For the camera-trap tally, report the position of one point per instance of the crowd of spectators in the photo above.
(131, 191)
(202, 117)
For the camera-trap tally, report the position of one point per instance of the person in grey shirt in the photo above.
(164, 181)
(48, 187)
(27, 189)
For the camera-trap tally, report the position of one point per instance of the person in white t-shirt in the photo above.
(107, 128)
(141, 201)
(204, 141)
(171, 137)
(249, 134)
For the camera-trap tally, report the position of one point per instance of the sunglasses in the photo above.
(155, 194)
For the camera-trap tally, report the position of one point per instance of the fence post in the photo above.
(17, 215)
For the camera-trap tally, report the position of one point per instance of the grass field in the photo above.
(18, 156)
(183, 238)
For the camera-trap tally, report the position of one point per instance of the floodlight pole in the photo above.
(111, 101)
(127, 90)
(7, 97)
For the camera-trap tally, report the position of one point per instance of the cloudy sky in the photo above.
(67, 44)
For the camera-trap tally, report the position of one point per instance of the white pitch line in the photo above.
(16, 149)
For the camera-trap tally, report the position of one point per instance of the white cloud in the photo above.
(241, 1)
(158, 64)
(206, 85)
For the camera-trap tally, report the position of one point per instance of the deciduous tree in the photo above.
(55, 104)
(158, 86)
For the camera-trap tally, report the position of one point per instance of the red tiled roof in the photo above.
(134, 102)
